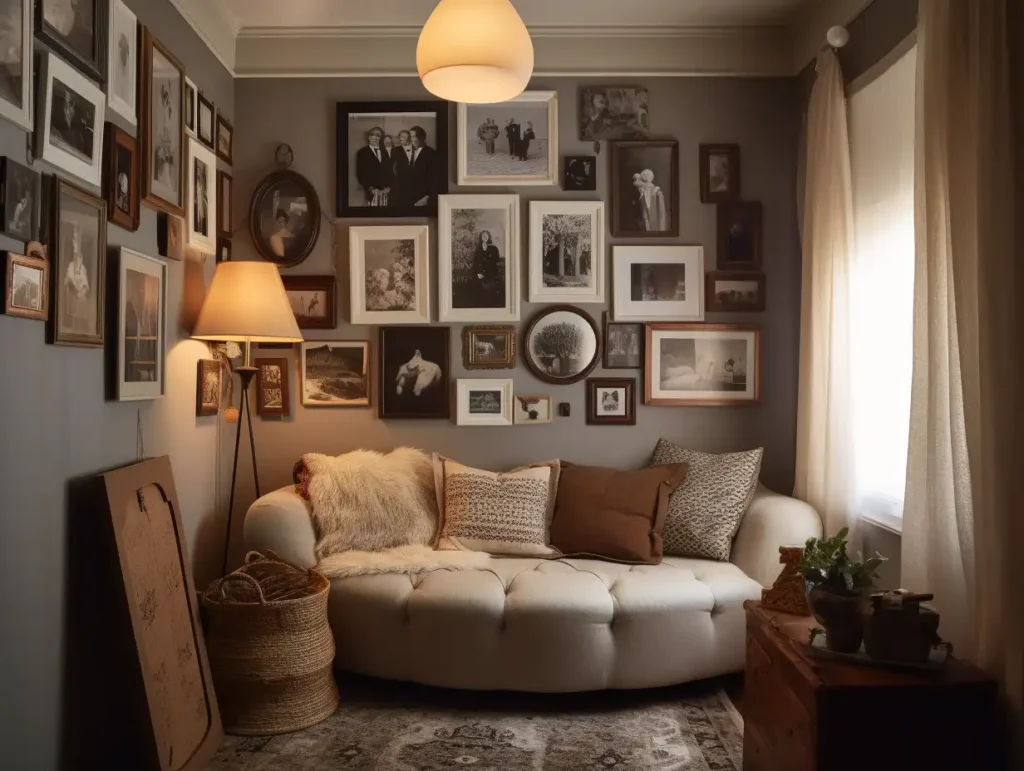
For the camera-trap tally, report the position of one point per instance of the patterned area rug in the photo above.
(383, 726)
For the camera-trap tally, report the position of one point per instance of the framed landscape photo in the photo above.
(26, 286)
(19, 200)
(122, 57)
(719, 173)
(202, 198)
(205, 120)
(284, 217)
(414, 372)
(623, 345)
(16, 84)
(389, 270)
(141, 326)
(613, 113)
(313, 300)
(162, 127)
(561, 345)
(531, 410)
(71, 110)
(335, 373)
(484, 402)
(489, 347)
(225, 213)
(658, 283)
(121, 177)
(735, 292)
(711, 365)
(392, 158)
(645, 189)
(208, 387)
(567, 252)
(478, 258)
(580, 173)
(273, 397)
(740, 225)
(225, 139)
(611, 401)
(509, 143)
(76, 29)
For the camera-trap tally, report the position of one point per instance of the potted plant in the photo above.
(837, 589)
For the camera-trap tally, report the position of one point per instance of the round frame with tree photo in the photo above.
(562, 345)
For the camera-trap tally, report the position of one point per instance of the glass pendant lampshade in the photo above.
(475, 52)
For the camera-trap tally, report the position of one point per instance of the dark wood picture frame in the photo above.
(147, 44)
(225, 188)
(571, 167)
(7, 165)
(444, 334)
(94, 66)
(32, 263)
(733, 192)
(607, 324)
(471, 361)
(224, 249)
(749, 214)
(594, 419)
(224, 122)
(673, 208)
(713, 305)
(540, 374)
(261, 398)
(202, 366)
(265, 188)
(326, 284)
(117, 138)
(350, 404)
(203, 103)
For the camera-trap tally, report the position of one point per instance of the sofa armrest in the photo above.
(281, 521)
(773, 520)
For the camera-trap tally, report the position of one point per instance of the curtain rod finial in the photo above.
(837, 37)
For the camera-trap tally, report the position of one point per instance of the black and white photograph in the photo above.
(707, 364)
(561, 344)
(16, 63)
(122, 58)
(390, 279)
(658, 283)
(392, 158)
(580, 173)
(202, 198)
(72, 118)
(489, 347)
(71, 111)
(645, 189)
(531, 410)
(739, 235)
(141, 329)
(611, 401)
(273, 396)
(27, 286)
(613, 113)
(205, 120)
(413, 372)
(19, 200)
(484, 403)
(79, 267)
(509, 143)
(335, 373)
(389, 274)
(284, 217)
(162, 137)
(75, 29)
(191, 93)
(121, 177)
(312, 300)
(567, 251)
(719, 173)
(623, 345)
(225, 139)
(735, 292)
(170, 236)
(208, 387)
(225, 217)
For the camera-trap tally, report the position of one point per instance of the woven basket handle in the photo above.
(244, 578)
(267, 555)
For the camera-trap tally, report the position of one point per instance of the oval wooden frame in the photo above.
(528, 358)
(264, 188)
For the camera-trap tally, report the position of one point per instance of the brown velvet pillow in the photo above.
(612, 514)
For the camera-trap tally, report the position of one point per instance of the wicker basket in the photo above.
(270, 647)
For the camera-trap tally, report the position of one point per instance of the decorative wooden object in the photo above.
(789, 592)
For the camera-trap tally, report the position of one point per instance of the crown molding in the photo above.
(215, 25)
(579, 30)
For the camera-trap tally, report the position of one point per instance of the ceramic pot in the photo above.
(841, 617)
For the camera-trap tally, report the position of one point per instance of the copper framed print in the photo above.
(611, 401)
(313, 300)
(658, 283)
(162, 127)
(27, 286)
(335, 373)
(273, 396)
(735, 292)
(225, 139)
(414, 372)
(76, 29)
(208, 387)
(121, 177)
(122, 58)
(719, 173)
(712, 365)
(202, 198)
(509, 143)
(141, 326)
(739, 235)
(71, 111)
(645, 189)
(284, 217)
(19, 200)
(16, 69)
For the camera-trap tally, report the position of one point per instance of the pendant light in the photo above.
(475, 52)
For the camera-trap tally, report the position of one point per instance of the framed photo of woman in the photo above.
(645, 189)
(162, 127)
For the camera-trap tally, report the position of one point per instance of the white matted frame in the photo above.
(722, 367)
(465, 387)
(149, 266)
(119, 15)
(624, 308)
(567, 294)
(46, 148)
(550, 98)
(22, 116)
(205, 241)
(521, 410)
(509, 204)
(357, 240)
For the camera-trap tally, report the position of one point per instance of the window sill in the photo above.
(886, 522)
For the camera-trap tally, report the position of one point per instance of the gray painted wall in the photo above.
(57, 426)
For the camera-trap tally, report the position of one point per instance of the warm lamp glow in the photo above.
(475, 52)
(246, 303)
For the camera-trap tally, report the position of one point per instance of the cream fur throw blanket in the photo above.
(407, 560)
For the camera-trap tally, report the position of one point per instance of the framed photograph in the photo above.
(225, 213)
(205, 124)
(76, 29)
(740, 225)
(719, 173)
(711, 365)
(16, 69)
(623, 345)
(208, 387)
(141, 326)
(335, 373)
(658, 283)
(71, 110)
(121, 177)
(735, 292)
(223, 249)
(389, 269)
(77, 245)
(645, 189)
(490, 347)
(27, 286)
(414, 372)
(19, 200)
(122, 58)
(191, 94)
(510, 143)
(284, 218)
(225, 139)
(613, 113)
(392, 158)
(580, 173)
(611, 401)
(478, 257)
(483, 402)
(273, 397)
(561, 345)
(312, 299)
(567, 252)
(170, 236)
(202, 198)
(531, 410)
(162, 127)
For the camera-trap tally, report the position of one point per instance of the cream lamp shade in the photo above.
(246, 303)
(475, 52)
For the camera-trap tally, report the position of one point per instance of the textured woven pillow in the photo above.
(705, 512)
(507, 513)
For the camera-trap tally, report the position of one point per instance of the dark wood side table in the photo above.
(809, 714)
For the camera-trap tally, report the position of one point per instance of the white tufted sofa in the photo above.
(529, 624)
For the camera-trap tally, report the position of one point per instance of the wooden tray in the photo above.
(938, 656)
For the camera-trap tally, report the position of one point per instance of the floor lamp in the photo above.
(246, 303)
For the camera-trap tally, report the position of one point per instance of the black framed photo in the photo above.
(77, 30)
(414, 372)
(735, 292)
(19, 200)
(284, 217)
(740, 225)
(611, 401)
(623, 345)
(645, 189)
(16, 86)
(225, 139)
(580, 172)
(205, 113)
(392, 158)
(719, 173)
(190, 107)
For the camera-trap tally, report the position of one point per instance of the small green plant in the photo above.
(826, 564)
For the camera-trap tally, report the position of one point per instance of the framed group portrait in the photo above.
(162, 127)
(509, 143)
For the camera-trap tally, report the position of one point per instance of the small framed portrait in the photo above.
(225, 139)
(71, 110)
(484, 402)
(580, 173)
(658, 283)
(623, 345)
(208, 387)
(510, 143)
(389, 271)
(202, 198)
(19, 191)
(162, 127)
(561, 345)
(141, 326)
(489, 347)
(735, 292)
(613, 113)
(191, 95)
(223, 249)
(478, 258)
(645, 189)
(205, 120)
(225, 212)
(567, 259)
(122, 58)
(27, 286)
(76, 30)
(740, 225)
(284, 218)
(273, 397)
(170, 236)
(719, 173)
(121, 177)
(531, 410)
(312, 299)
(414, 373)
(711, 365)
(16, 80)
(611, 401)
(392, 158)
(335, 373)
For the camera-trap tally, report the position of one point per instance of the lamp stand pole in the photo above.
(246, 373)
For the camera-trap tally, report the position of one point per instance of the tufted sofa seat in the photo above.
(530, 624)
